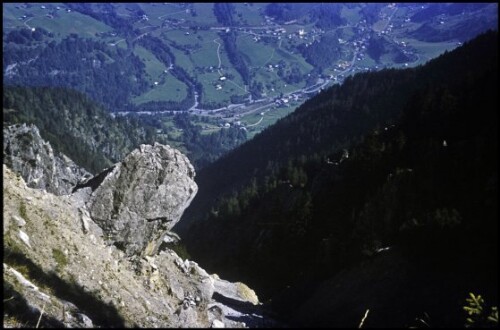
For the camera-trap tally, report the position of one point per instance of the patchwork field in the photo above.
(267, 43)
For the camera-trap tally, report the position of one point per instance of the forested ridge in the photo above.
(75, 125)
(204, 149)
(108, 75)
(83, 130)
(403, 158)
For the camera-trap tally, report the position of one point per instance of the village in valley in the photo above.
(253, 71)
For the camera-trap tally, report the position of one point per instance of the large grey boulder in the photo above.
(139, 199)
(26, 153)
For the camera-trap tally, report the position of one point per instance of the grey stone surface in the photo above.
(85, 320)
(26, 153)
(19, 220)
(139, 199)
(218, 324)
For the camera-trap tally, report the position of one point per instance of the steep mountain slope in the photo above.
(396, 158)
(64, 267)
(109, 75)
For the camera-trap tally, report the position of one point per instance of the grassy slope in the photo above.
(171, 90)
(62, 25)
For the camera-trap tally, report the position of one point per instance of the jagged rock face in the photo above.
(28, 154)
(139, 199)
(79, 280)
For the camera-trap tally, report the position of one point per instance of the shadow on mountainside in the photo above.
(101, 314)
(254, 316)
(16, 306)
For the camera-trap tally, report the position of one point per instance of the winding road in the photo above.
(26, 22)
(218, 55)
(180, 11)
(257, 123)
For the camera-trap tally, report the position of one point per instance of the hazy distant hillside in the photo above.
(247, 61)
(405, 159)
(459, 21)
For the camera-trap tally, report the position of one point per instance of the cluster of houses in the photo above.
(270, 67)
(172, 22)
(285, 100)
(279, 31)
(50, 7)
(234, 124)
(219, 83)
(342, 65)
(52, 11)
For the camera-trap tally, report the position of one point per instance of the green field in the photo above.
(207, 128)
(429, 50)
(122, 44)
(206, 56)
(203, 58)
(262, 55)
(169, 127)
(350, 14)
(211, 94)
(183, 60)
(367, 61)
(181, 37)
(257, 52)
(270, 117)
(204, 14)
(171, 90)
(154, 68)
(287, 57)
(121, 11)
(228, 69)
(62, 24)
(267, 79)
(12, 15)
(157, 12)
(250, 14)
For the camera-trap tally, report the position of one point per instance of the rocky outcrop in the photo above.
(26, 153)
(79, 280)
(139, 199)
(92, 259)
